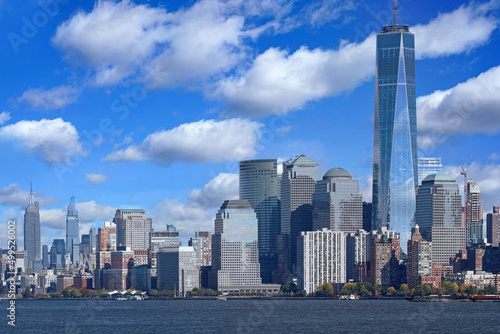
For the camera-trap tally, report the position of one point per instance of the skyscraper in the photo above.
(428, 166)
(133, 229)
(259, 185)
(297, 188)
(395, 163)
(235, 252)
(439, 216)
(72, 231)
(321, 258)
(493, 226)
(202, 244)
(32, 243)
(337, 202)
(474, 214)
(178, 269)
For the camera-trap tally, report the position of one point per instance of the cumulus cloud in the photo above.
(278, 82)
(452, 33)
(54, 98)
(198, 212)
(223, 187)
(488, 178)
(88, 212)
(470, 107)
(4, 117)
(13, 195)
(198, 142)
(54, 140)
(120, 40)
(96, 178)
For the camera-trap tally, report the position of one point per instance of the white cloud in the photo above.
(88, 212)
(54, 139)
(366, 187)
(4, 117)
(198, 213)
(54, 98)
(13, 195)
(452, 33)
(187, 218)
(120, 40)
(223, 187)
(198, 142)
(488, 178)
(95, 178)
(319, 13)
(470, 107)
(279, 82)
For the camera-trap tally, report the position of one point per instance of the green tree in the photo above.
(391, 291)
(490, 290)
(67, 291)
(27, 292)
(404, 290)
(153, 292)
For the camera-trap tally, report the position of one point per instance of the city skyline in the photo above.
(189, 188)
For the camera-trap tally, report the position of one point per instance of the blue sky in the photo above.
(150, 104)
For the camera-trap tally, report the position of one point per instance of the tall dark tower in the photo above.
(32, 237)
(395, 162)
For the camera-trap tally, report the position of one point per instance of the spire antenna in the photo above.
(395, 11)
(31, 193)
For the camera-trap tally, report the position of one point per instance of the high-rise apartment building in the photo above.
(384, 257)
(474, 214)
(321, 258)
(395, 164)
(493, 226)
(337, 202)
(133, 229)
(439, 217)
(202, 244)
(428, 166)
(419, 261)
(235, 251)
(298, 182)
(259, 185)
(107, 237)
(72, 231)
(357, 256)
(32, 238)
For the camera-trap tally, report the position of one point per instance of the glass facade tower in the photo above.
(72, 230)
(395, 164)
(259, 185)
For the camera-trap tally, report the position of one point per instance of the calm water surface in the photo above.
(251, 316)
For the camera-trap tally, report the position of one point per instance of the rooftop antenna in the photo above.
(395, 11)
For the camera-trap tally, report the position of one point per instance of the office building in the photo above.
(367, 216)
(235, 251)
(57, 255)
(357, 256)
(259, 185)
(202, 244)
(178, 269)
(384, 257)
(474, 214)
(298, 183)
(321, 258)
(439, 217)
(45, 256)
(428, 166)
(133, 228)
(72, 231)
(493, 226)
(92, 240)
(337, 202)
(395, 164)
(32, 238)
